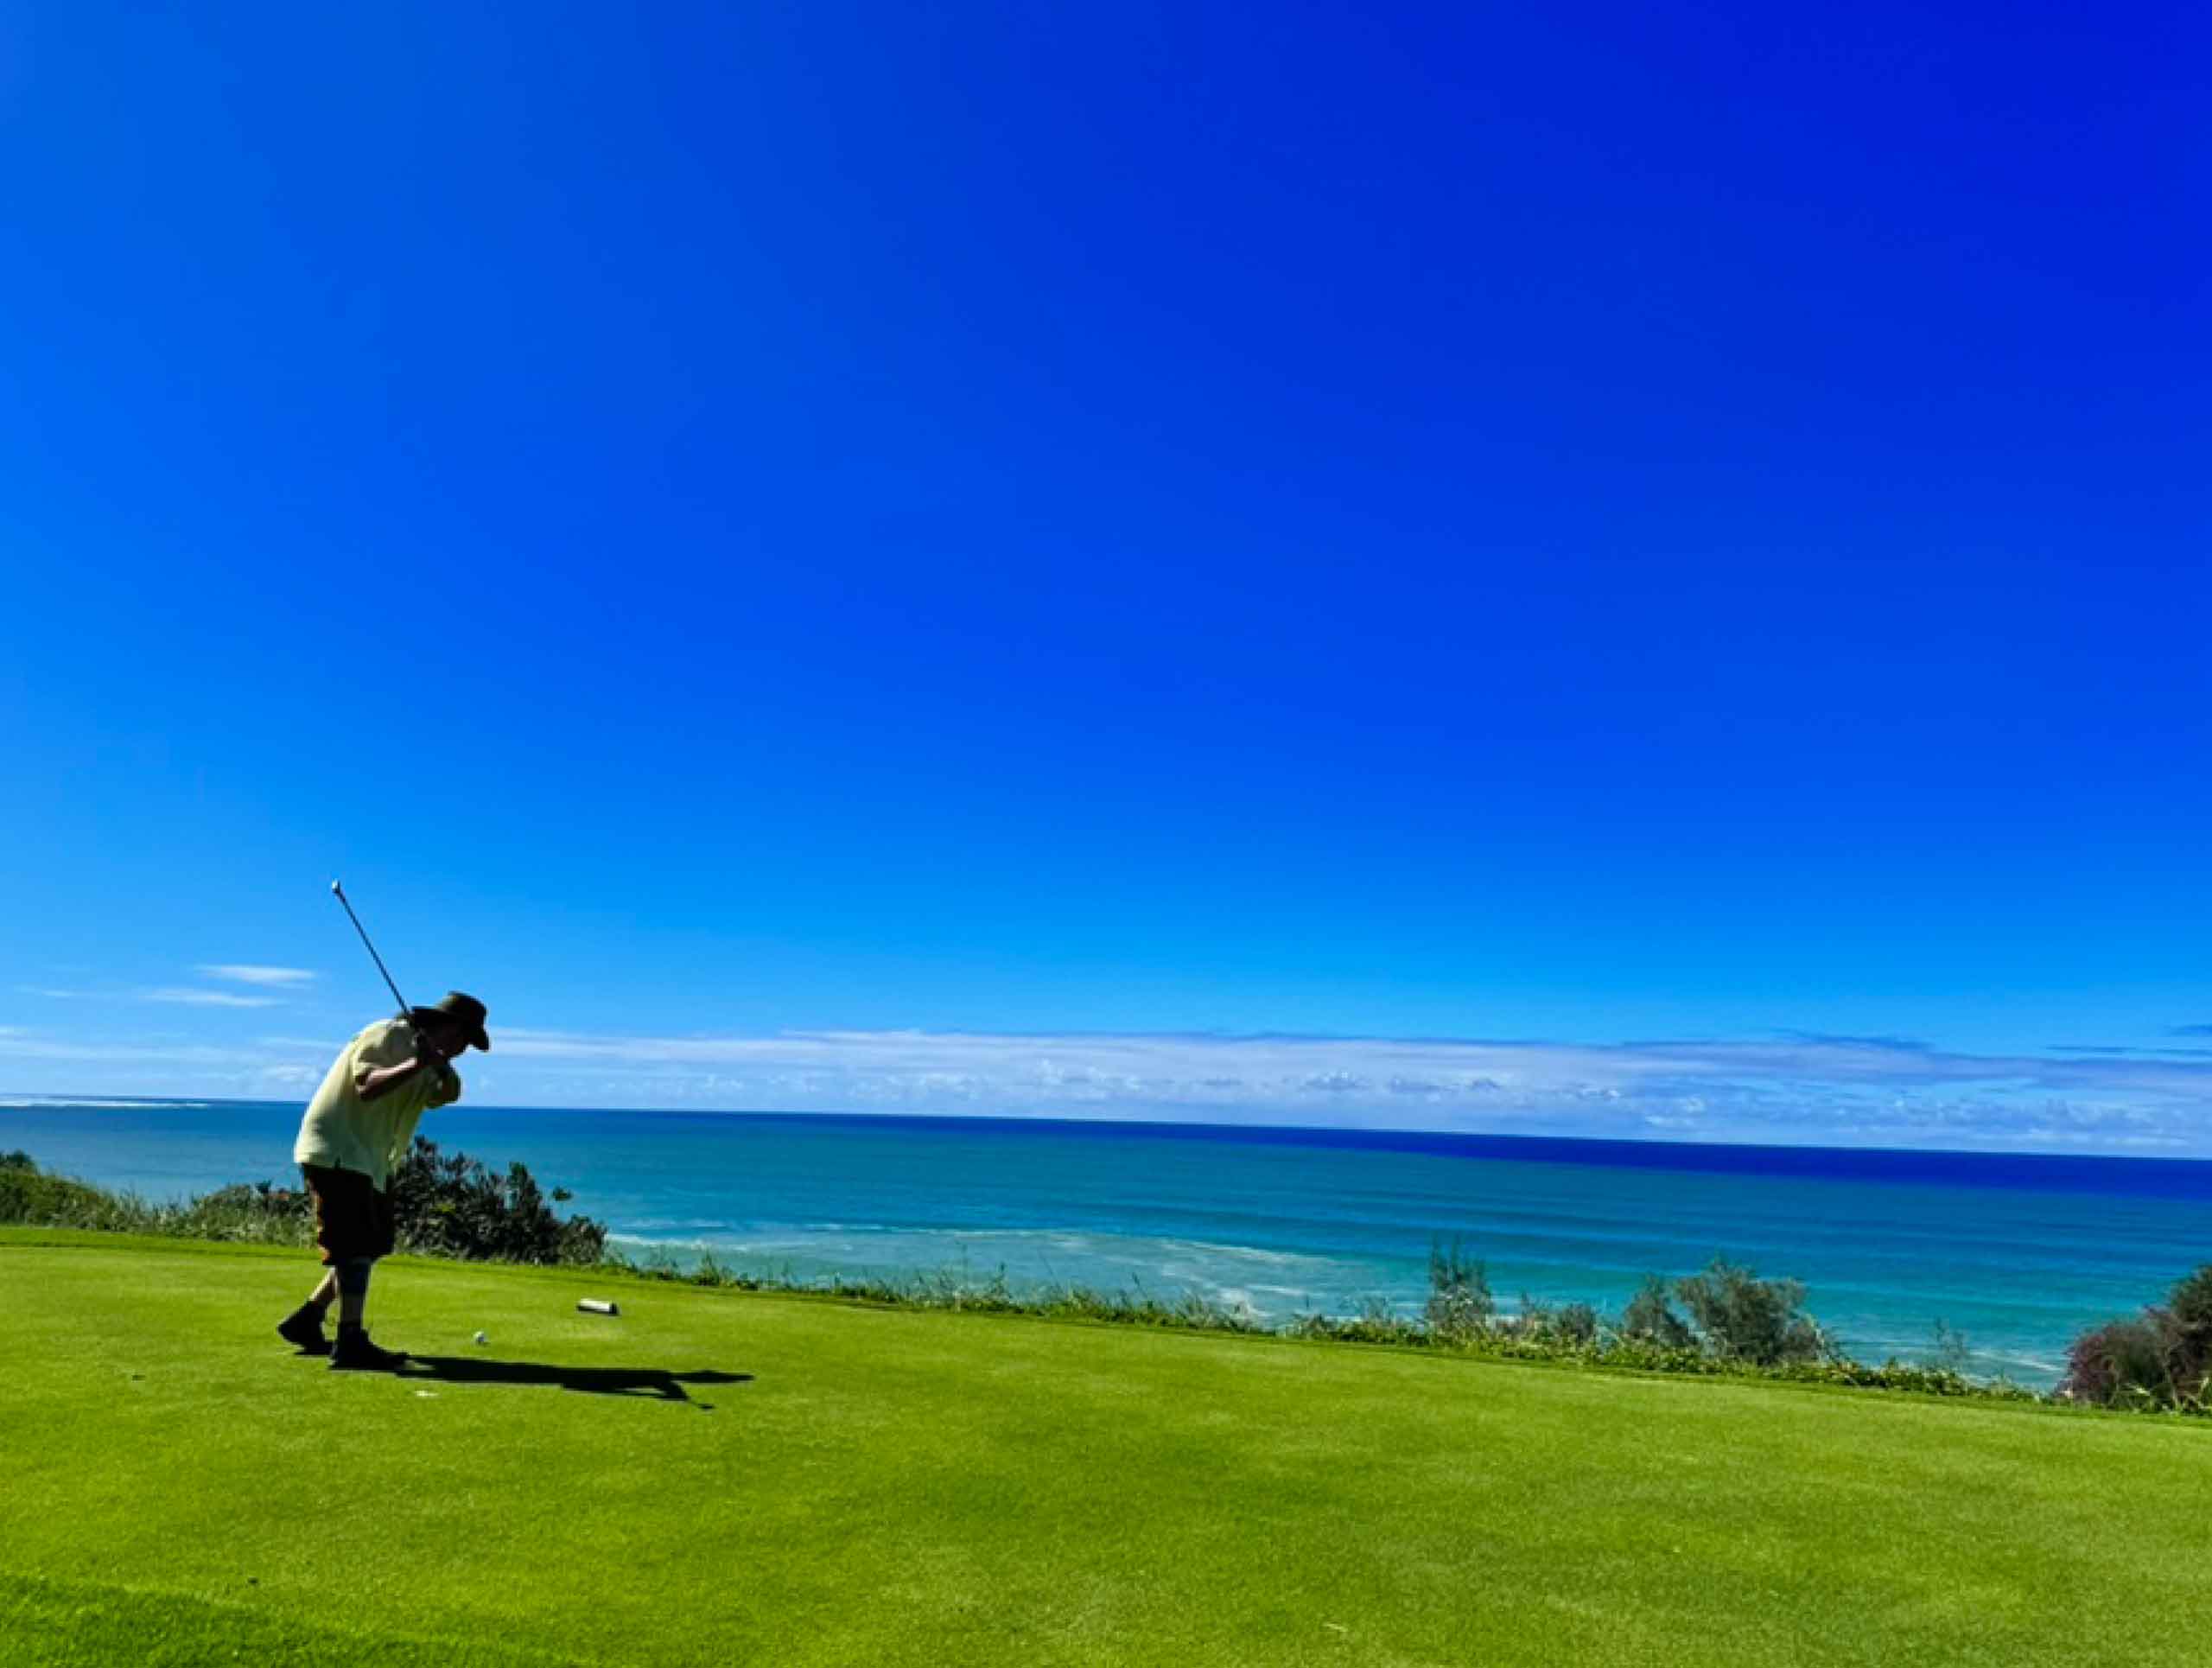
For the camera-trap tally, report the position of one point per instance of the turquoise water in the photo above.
(2016, 1253)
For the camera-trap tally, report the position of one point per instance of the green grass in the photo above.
(895, 1486)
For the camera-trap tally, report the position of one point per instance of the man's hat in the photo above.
(464, 1010)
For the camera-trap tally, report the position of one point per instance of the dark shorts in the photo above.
(351, 1218)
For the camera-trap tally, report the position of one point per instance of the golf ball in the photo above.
(481, 1339)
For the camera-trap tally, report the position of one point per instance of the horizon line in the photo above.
(1376, 1134)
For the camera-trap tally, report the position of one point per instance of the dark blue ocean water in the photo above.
(2017, 1252)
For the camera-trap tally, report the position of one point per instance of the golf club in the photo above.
(339, 893)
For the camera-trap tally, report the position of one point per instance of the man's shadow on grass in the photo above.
(598, 1381)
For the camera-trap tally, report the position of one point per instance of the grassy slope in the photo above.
(908, 1488)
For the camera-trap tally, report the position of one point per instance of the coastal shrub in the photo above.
(451, 1204)
(254, 1211)
(16, 1161)
(1531, 1317)
(2190, 1301)
(1577, 1324)
(1609, 1348)
(1460, 1305)
(2159, 1358)
(1948, 1351)
(2117, 1364)
(259, 1213)
(1742, 1317)
(1651, 1319)
(446, 1204)
(957, 1288)
(1571, 1325)
(30, 1196)
(1376, 1322)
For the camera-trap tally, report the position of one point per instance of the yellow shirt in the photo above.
(343, 1131)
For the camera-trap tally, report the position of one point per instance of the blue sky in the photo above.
(1007, 559)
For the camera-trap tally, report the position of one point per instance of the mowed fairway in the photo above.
(887, 1486)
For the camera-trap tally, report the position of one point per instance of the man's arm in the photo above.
(385, 1078)
(447, 1088)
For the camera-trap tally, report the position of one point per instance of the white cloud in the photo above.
(1843, 1090)
(1802, 1088)
(187, 1058)
(192, 995)
(240, 973)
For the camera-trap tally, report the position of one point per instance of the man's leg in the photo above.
(372, 1240)
(353, 1280)
(355, 1352)
(353, 1226)
(303, 1326)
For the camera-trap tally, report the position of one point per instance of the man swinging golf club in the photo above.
(356, 1131)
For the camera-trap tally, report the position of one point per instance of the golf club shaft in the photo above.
(339, 893)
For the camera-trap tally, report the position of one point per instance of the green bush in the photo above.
(2120, 1364)
(28, 1195)
(1576, 1324)
(2159, 1359)
(259, 1212)
(2190, 1301)
(1573, 1326)
(1947, 1351)
(443, 1205)
(256, 1212)
(451, 1204)
(1377, 1322)
(1651, 1319)
(1743, 1318)
(1460, 1305)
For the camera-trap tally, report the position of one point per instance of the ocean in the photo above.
(2015, 1252)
